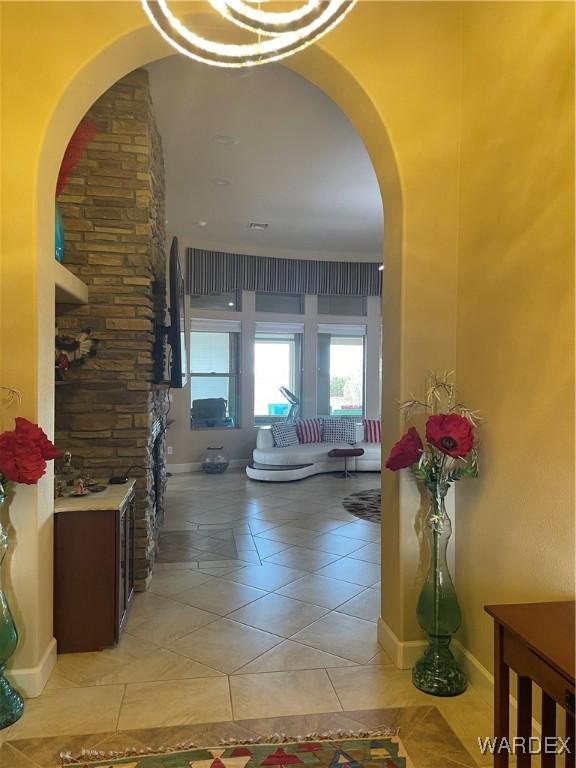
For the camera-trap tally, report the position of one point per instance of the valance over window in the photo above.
(217, 272)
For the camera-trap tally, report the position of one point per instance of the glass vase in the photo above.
(438, 612)
(11, 703)
(58, 235)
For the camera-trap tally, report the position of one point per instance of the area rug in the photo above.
(382, 750)
(365, 505)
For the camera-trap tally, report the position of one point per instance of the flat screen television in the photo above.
(177, 330)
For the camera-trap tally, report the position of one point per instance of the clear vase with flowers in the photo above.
(448, 453)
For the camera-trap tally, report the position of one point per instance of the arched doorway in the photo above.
(136, 49)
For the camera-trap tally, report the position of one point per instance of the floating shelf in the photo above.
(69, 288)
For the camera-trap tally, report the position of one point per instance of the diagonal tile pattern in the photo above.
(277, 591)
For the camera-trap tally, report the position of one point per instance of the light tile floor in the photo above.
(286, 627)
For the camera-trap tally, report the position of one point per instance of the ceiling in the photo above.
(263, 145)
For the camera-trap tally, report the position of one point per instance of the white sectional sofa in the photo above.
(274, 464)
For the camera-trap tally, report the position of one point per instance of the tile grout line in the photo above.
(120, 707)
(334, 689)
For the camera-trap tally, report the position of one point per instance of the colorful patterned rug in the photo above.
(384, 750)
(365, 504)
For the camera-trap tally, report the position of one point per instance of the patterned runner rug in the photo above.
(383, 750)
(365, 505)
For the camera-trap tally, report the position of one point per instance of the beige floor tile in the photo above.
(371, 553)
(333, 543)
(159, 620)
(225, 645)
(354, 571)
(278, 614)
(381, 659)
(319, 590)
(130, 661)
(288, 534)
(303, 559)
(171, 582)
(341, 635)
(290, 655)
(371, 687)
(71, 711)
(274, 694)
(320, 523)
(267, 547)
(268, 576)
(175, 703)
(220, 596)
(365, 531)
(366, 605)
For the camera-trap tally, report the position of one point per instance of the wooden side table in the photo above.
(535, 640)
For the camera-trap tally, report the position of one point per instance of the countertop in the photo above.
(112, 498)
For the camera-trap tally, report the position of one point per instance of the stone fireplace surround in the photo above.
(110, 414)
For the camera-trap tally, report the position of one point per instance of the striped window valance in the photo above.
(217, 272)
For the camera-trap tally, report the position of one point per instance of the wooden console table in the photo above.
(535, 640)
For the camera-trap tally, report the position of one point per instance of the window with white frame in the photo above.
(214, 377)
(277, 363)
(341, 370)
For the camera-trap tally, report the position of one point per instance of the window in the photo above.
(214, 376)
(281, 303)
(227, 302)
(340, 384)
(277, 363)
(342, 305)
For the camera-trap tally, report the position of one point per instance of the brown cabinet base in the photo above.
(93, 576)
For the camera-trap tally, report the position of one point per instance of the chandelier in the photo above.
(280, 33)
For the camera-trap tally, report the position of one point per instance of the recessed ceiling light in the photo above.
(257, 226)
(202, 223)
(230, 303)
(221, 182)
(222, 138)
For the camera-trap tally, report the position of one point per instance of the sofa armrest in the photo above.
(264, 439)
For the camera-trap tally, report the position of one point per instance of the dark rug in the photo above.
(365, 504)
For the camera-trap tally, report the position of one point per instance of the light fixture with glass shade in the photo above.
(280, 33)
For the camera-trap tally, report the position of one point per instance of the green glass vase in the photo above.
(11, 703)
(438, 612)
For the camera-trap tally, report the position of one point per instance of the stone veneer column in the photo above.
(114, 220)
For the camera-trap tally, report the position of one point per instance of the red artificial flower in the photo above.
(450, 433)
(406, 451)
(21, 459)
(81, 137)
(38, 437)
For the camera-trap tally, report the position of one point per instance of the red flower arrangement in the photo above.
(83, 134)
(24, 452)
(449, 453)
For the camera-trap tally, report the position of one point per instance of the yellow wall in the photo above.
(515, 356)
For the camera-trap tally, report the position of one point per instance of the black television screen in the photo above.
(177, 331)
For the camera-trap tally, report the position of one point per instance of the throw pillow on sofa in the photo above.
(309, 430)
(372, 430)
(339, 431)
(284, 435)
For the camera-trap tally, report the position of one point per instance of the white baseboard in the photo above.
(404, 654)
(476, 673)
(196, 466)
(31, 681)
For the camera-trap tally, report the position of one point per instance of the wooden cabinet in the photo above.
(93, 569)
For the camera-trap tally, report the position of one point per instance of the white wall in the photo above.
(188, 445)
